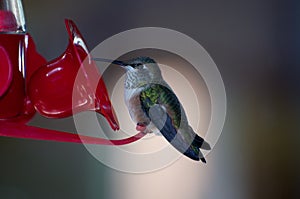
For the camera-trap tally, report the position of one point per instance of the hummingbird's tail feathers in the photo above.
(163, 122)
(201, 157)
(201, 143)
(191, 154)
(203, 160)
(205, 146)
(194, 156)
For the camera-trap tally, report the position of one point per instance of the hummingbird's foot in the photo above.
(143, 128)
(140, 126)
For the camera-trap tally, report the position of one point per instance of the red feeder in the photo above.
(29, 83)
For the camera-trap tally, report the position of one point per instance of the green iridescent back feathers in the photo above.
(159, 94)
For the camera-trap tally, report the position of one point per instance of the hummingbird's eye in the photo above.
(136, 65)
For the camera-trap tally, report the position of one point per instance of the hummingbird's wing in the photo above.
(164, 109)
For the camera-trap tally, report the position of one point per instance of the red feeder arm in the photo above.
(57, 89)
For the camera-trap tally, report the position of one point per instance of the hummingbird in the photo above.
(152, 104)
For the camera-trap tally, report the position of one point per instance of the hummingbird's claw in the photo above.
(140, 128)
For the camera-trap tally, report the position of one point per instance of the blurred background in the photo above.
(255, 46)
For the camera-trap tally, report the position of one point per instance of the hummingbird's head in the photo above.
(142, 65)
(139, 71)
(143, 70)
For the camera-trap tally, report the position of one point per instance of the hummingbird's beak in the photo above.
(116, 62)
